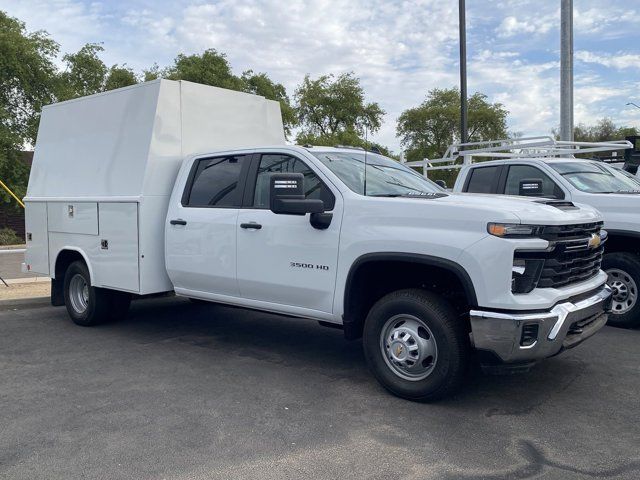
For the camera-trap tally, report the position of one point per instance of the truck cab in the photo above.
(612, 191)
(194, 191)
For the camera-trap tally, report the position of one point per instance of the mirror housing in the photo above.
(287, 195)
(530, 187)
(441, 184)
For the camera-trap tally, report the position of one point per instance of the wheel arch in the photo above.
(65, 257)
(622, 241)
(366, 269)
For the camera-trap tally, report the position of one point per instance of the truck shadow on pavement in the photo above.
(305, 345)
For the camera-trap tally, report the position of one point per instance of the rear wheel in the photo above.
(623, 276)
(85, 304)
(415, 345)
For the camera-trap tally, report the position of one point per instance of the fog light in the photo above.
(525, 274)
(529, 334)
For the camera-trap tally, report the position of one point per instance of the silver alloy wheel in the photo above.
(625, 291)
(79, 293)
(408, 347)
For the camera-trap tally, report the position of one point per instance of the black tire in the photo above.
(97, 301)
(120, 302)
(450, 335)
(623, 269)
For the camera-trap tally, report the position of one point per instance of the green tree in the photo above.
(427, 131)
(119, 76)
(28, 81)
(602, 131)
(332, 110)
(85, 73)
(261, 84)
(208, 68)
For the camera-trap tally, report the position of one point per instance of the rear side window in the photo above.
(216, 182)
(482, 179)
(518, 173)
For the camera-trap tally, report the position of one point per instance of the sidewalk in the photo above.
(25, 288)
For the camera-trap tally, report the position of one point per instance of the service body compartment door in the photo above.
(37, 254)
(116, 262)
(73, 217)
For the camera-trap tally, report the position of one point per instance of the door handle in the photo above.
(253, 225)
(178, 221)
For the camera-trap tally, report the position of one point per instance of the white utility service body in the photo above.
(105, 165)
(172, 186)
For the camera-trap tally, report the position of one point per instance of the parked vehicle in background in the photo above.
(552, 171)
(632, 155)
(178, 187)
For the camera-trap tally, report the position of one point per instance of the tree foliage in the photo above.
(212, 68)
(208, 68)
(85, 73)
(428, 129)
(28, 81)
(332, 110)
(118, 77)
(261, 84)
(602, 131)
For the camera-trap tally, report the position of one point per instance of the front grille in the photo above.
(569, 259)
(567, 232)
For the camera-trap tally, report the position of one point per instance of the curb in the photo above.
(25, 302)
(25, 280)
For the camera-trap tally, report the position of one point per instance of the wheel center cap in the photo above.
(399, 351)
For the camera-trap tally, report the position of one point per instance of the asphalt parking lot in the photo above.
(182, 391)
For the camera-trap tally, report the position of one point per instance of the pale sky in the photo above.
(399, 49)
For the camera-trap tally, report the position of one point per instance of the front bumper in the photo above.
(564, 326)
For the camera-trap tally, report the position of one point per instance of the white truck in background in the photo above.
(553, 171)
(178, 187)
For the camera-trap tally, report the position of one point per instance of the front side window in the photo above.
(517, 173)
(384, 176)
(593, 177)
(482, 179)
(279, 163)
(216, 182)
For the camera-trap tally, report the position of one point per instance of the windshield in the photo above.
(595, 177)
(385, 177)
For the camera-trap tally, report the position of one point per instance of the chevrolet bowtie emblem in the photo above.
(594, 241)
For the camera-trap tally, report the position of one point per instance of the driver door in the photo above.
(282, 259)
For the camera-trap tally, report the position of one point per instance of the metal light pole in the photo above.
(463, 71)
(566, 70)
(631, 103)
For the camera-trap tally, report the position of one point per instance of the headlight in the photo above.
(525, 274)
(514, 230)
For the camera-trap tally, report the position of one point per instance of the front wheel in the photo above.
(415, 345)
(623, 276)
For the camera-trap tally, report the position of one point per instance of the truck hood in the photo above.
(621, 211)
(526, 210)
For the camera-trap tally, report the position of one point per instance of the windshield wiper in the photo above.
(406, 186)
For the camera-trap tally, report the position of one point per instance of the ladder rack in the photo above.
(526, 147)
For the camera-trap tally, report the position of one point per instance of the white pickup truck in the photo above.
(177, 187)
(612, 191)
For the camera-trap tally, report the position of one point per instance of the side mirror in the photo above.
(441, 184)
(287, 195)
(531, 187)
